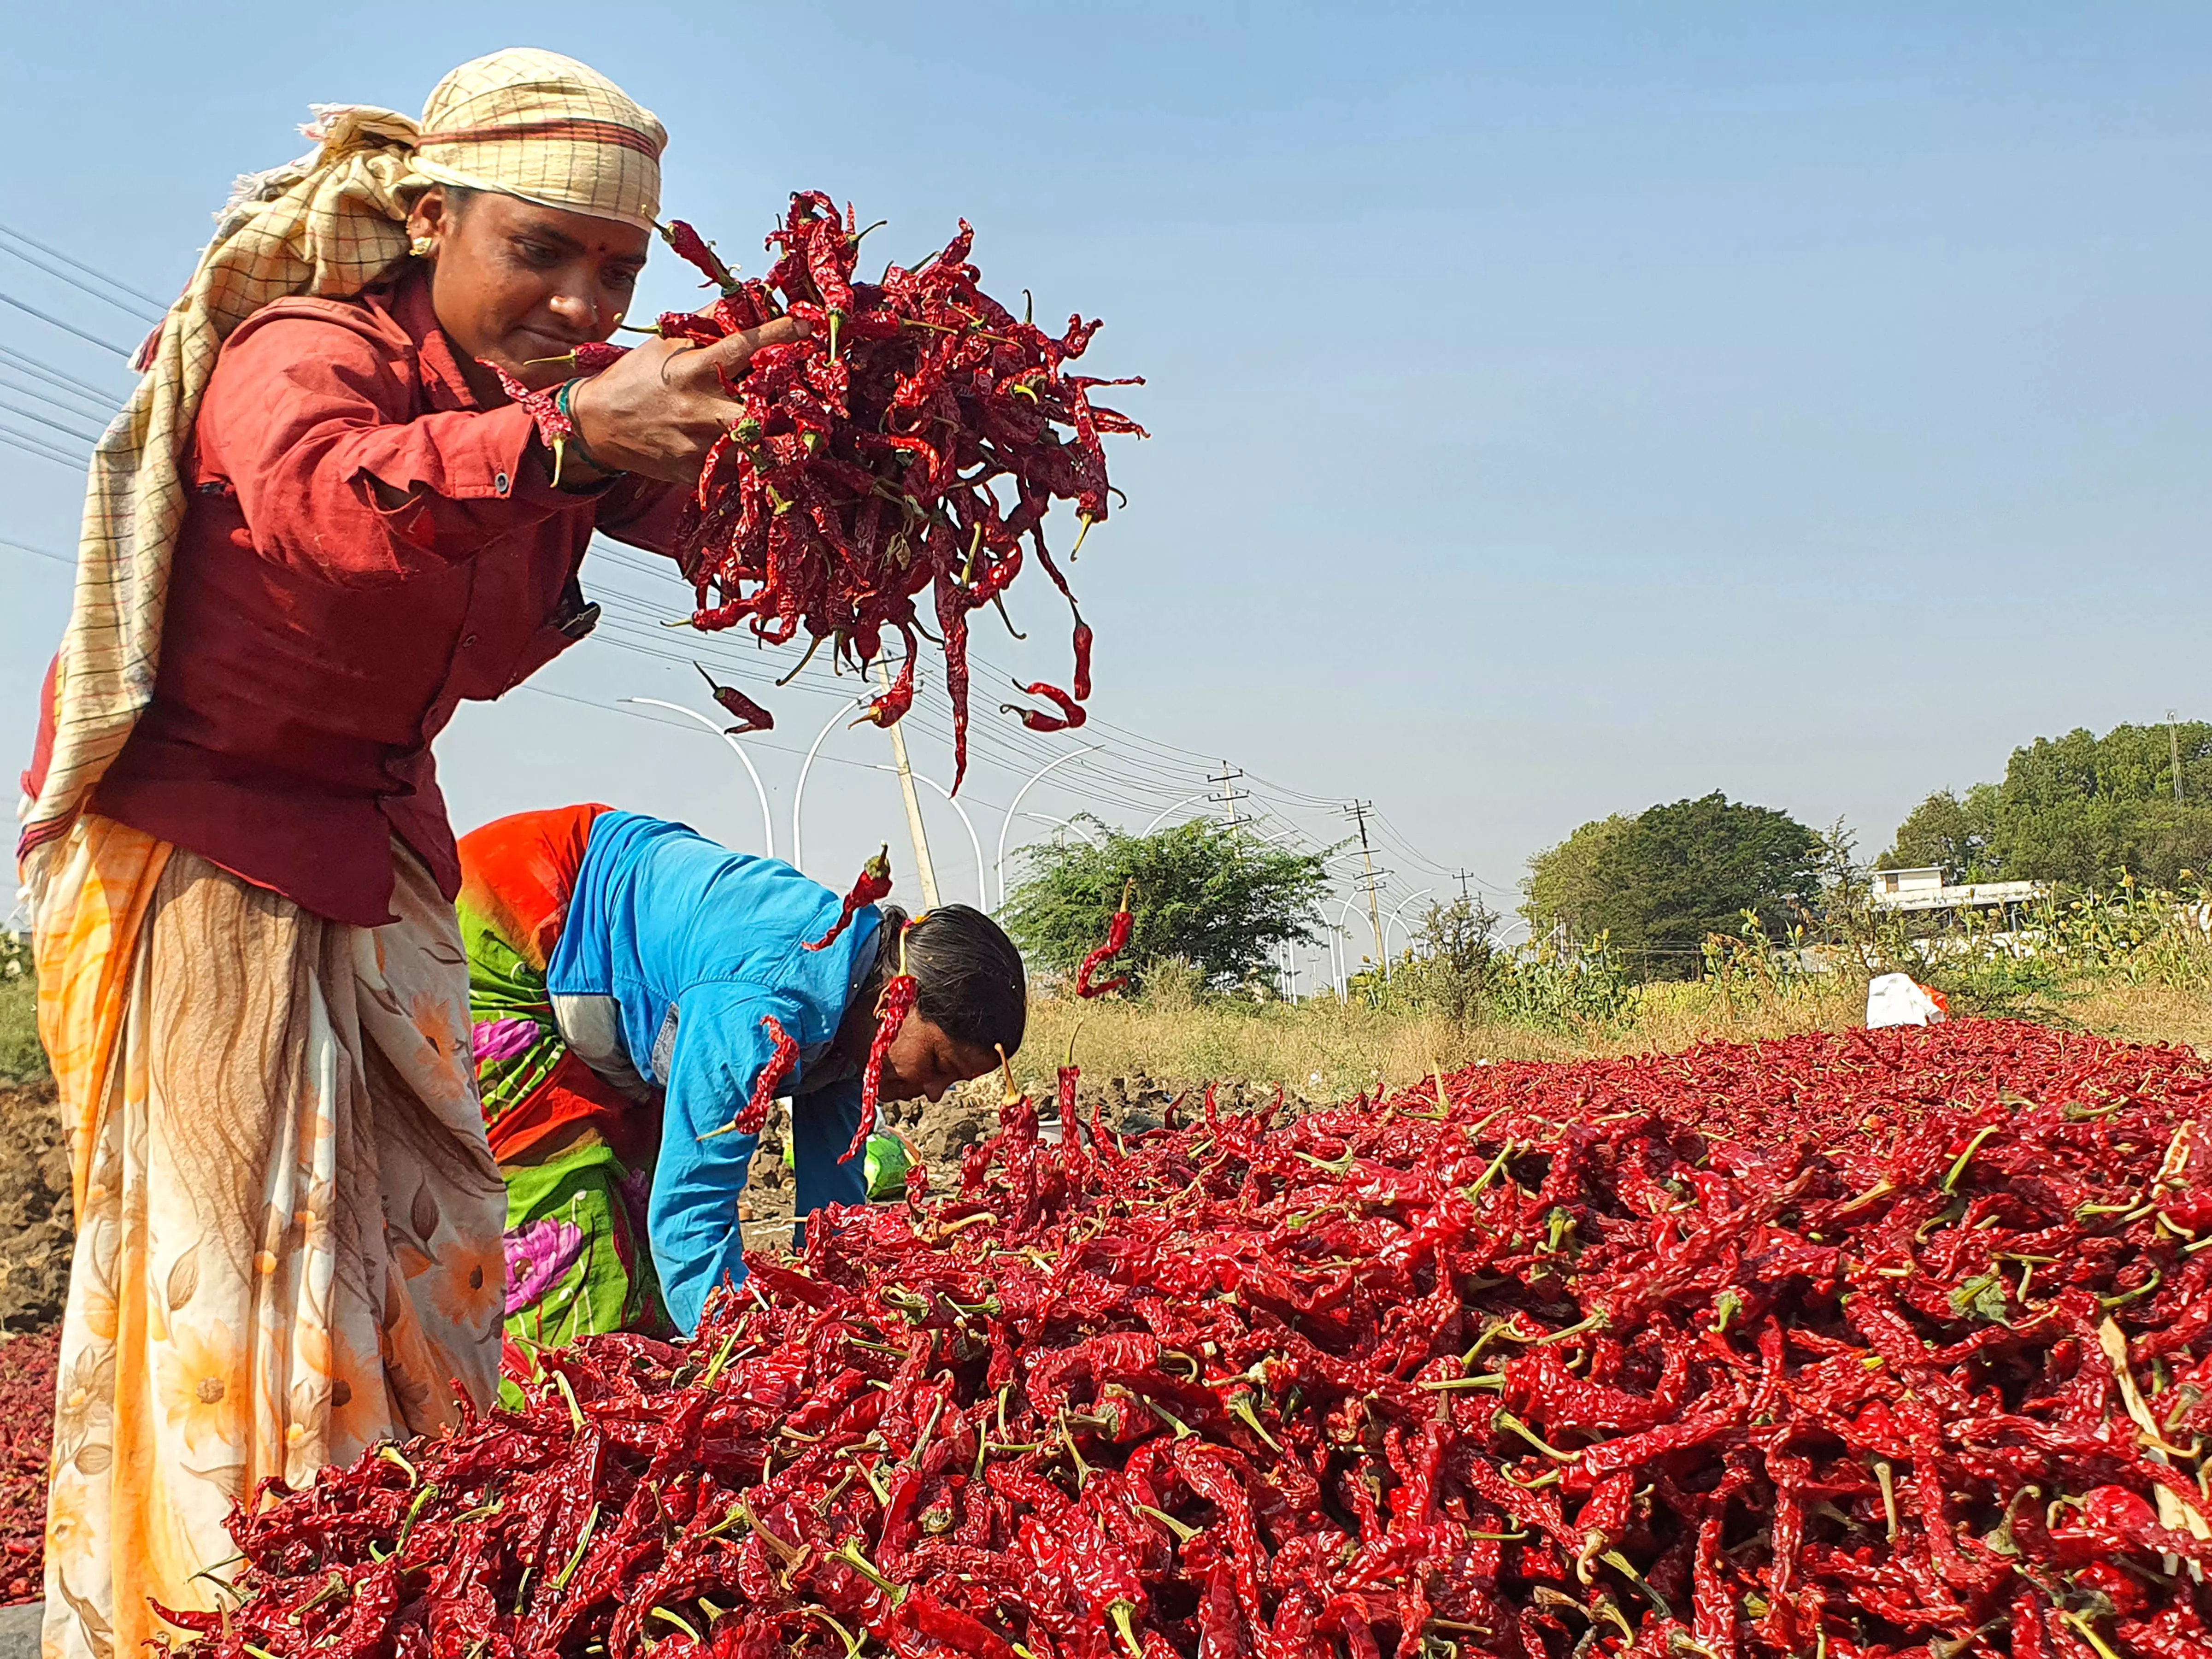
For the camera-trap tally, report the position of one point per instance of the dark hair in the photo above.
(968, 974)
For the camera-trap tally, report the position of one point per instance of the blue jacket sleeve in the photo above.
(720, 1048)
(822, 1124)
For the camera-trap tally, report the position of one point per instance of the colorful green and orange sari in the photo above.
(576, 1153)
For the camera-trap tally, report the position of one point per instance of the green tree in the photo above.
(1949, 833)
(1562, 886)
(1681, 872)
(1220, 899)
(2074, 809)
(1449, 970)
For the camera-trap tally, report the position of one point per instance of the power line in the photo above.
(37, 552)
(66, 328)
(46, 372)
(40, 447)
(1399, 838)
(1122, 777)
(989, 741)
(47, 398)
(79, 264)
(125, 307)
(1012, 746)
(751, 742)
(33, 415)
(1009, 744)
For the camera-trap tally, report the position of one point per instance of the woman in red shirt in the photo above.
(320, 525)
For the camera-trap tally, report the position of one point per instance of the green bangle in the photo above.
(576, 433)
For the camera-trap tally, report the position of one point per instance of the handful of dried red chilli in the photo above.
(911, 443)
(1889, 1344)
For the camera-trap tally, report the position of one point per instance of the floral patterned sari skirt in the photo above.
(287, 1217)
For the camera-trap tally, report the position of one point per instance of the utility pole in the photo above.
(1462, 877)
(1356, 811)
(2174, 741)
(923, 869)
(1226, 777)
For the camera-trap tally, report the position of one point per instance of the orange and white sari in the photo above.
(288, 1219)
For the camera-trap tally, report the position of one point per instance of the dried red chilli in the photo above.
(1538, 1361)
(27, 1446)
(588, 358)
(891, 708)
(751, 717)
(1081, 684)
(554, 429)
(1117, 939)
(781, 1059)
(870, 459)
(900, 994)
(873, 882)
(695, 250)
(1071, 713)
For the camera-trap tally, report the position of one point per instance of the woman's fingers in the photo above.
(729, 356)
(658, 410)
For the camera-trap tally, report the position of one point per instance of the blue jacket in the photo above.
(673, 951)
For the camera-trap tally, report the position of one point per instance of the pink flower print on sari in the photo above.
(498, 1041)
(636, 1194)
(539, 1253)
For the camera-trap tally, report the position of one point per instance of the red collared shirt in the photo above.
(315, 642)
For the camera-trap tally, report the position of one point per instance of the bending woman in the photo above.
(318, 526)
(621, 969)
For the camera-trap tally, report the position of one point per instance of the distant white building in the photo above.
(1926, 889)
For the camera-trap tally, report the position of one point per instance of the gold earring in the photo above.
(422, 247)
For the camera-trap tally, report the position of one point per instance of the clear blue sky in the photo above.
(1555, 409)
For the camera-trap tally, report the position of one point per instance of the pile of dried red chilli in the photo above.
(1885, 1344)
(27, 1434)
(912, 441)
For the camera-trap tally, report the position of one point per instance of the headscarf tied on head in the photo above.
(523, 122)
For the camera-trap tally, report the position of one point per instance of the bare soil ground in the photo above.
(34, 1210)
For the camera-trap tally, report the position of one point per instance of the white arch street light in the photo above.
(1401, 911)
(974, 844)
(799, 794)
(999, 864)
(1341, 933)
(1068, 824)
(768, 822)
(1186, 801)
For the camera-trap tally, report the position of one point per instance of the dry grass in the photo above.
(1322, 1049)
(2136, 1013)
(21, 1059)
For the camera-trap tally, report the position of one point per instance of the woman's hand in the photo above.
(657, 410)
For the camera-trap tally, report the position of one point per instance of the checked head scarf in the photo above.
(524, 122)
